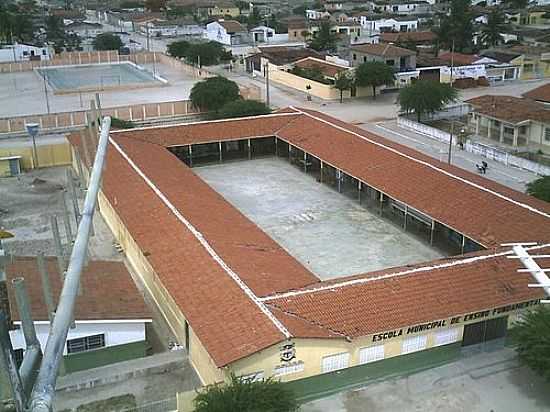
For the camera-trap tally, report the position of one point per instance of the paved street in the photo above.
(506, 175)
(482, 382)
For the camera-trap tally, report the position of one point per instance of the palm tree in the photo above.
(491, 32)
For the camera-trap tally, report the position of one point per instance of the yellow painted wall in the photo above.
(5, 170)
(320, 90)
(198, 356)
(48, 155)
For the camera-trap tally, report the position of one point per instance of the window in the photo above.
(547, 134)
(446, 336)
(294, 367)
(335, 362)
(18, 355)
(354, 56)
(86, 343)
(371, 354)
(414, 344)
(364, 59)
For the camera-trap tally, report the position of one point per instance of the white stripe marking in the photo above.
(204, 243)
(431, 166)
(458, 262)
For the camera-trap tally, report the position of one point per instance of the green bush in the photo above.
(117, 123)
(213, 93)
(242, 108)
(243, 395)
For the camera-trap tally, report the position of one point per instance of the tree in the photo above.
(490, 32)
(213, 93)
(210, 53)
(343, 82)
(155, 5)
(426, 96)
(374, 74)
(178, 48)
(245, 395)
(457, 27)
(540, 188)
(531, 338)
(242, 108)
(324, 39)
(107, 41)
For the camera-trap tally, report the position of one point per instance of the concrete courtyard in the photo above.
(327, 232)
(26, 94)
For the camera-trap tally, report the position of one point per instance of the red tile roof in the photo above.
(369, 307)
(459, 59)
(328, 69)
(510, 109)
(541, 94)
(380, 49)
(216, 265)
(109, 291)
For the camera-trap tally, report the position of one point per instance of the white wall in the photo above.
(115, 333)
(22, 52)
(216, 32)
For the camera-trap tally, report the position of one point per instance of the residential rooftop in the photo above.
(109, 291)
(383, 50)
(510, 108)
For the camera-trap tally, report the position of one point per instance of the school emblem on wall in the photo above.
(288, 352)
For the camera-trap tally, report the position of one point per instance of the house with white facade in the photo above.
(23, 52)
(375, 23)
(171, 28)
(228, 32)
(84, 29)
(111, 317)
(401, 6)
(317, 14)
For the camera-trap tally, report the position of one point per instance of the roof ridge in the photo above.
(453, 261)
(429, 165)
(209, 249)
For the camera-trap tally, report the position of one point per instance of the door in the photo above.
(485, 331)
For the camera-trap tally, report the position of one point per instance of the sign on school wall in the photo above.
(453, 321)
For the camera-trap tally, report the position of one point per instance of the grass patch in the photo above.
(116, 403)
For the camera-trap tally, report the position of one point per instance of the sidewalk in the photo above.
(482, 381)
(506, 175)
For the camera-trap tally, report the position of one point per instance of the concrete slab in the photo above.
(26, 94)
(329, 233)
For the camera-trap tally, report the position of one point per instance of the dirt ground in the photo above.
(27, 203)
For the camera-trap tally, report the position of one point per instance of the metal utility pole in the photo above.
(267, 97)
(46, 93)
(452, 121)
(44, 390)
(148, 46)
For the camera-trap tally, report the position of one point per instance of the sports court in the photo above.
(66, 79)
(330, 234)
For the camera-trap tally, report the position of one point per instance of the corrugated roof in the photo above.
(510, 108)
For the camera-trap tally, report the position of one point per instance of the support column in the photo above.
(305, 162)
(432, 229)
(220, 149)
(501, 137)
(381, 202)
(359, 188)
(463, 244)
(276, 147)
(405, 220)
(249, 148)
(339, 179)
(321, 172)
(478, 123)
(516, 134)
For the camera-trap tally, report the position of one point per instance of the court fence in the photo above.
(66, 121)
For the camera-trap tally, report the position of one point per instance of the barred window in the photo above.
(414, 344)
(335, 362)
(371, 354)
(86, 343)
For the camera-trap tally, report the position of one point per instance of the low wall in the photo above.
(77, 119)
(424, 129)
(63, 59)
(506, 158)
(55, 154)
